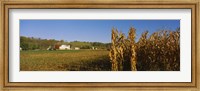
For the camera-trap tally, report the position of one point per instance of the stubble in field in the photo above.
(66, 60)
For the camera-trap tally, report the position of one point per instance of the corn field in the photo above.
(159, 51)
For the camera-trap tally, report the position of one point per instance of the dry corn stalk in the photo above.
(131, 38)
(117, 50)
(120, 51)
(158, 52)
(120, 48)
(113, 51)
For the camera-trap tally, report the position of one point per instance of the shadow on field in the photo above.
(98, 64)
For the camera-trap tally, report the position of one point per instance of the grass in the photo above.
(66, 60)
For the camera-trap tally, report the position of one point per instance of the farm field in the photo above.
(65, 60)
(88, 45)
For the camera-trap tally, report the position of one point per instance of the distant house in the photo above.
(59, 47)
(94, 48)
(64, 47)
(50, 48)
(76, 48)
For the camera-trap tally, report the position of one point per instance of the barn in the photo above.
(76, 48)
(64, 47)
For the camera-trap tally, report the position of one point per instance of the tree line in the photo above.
(31, 43)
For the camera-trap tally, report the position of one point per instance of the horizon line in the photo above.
(62, 39)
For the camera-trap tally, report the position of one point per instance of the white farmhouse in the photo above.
(64, 47)
(49, 48)
(92, 48)
(76, 48)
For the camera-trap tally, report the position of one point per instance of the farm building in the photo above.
(59, 47)
(50, 48)
(94, 48)
(76, 48)
(64, 47)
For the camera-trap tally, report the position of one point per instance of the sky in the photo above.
(90, 30)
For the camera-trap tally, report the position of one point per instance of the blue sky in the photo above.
(90, 30)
